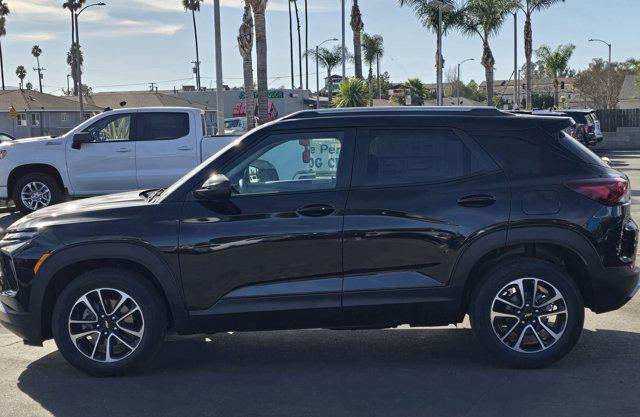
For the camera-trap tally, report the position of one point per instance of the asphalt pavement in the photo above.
(399, 372)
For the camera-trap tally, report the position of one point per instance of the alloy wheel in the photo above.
(106, 325)
(529, 315)
(35, 195)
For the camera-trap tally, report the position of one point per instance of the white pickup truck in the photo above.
(118, 150)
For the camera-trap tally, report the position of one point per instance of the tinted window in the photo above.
(111, 128)
(414, 156)
(289, 163)
(579, 150)
(163, 126)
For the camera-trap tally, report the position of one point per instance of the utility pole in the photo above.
(344, 48)
(40, 76)
(152, 86)
(219, 83)
(306, 44)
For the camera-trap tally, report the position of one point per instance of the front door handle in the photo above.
(185, 148)
(477, 200)
(123, 150)
(316, 210)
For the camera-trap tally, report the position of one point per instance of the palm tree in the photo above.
(529, 7)
(418, 91)
(329, 59)
(245, 45)
(21, 72)
(36, 51)
(555, 63)
(73, 54)
(427, 14)
(353, 93)
(4, 11)
(194, 6)
(484, 18)
(372, 46)
(356, 26)
(259, 7)
(73, 6)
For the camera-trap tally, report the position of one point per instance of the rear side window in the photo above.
(162, 126)
(580, 151)
(416, 156)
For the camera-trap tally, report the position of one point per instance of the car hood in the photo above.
(108, 207)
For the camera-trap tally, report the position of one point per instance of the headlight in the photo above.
(3, 153)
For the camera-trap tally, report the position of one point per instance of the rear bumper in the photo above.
(614, 288)
(21, 324)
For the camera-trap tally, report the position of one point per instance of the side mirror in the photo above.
(80, 138)
(216, 188)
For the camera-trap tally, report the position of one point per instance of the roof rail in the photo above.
(400, 110)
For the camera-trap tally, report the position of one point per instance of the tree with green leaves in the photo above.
(529, 7)
(21, 72)
(353, 93)
(484, 18)
(4, 11)
(329, 59)
(372, 49)
(36, 51)
(419, 92)
(356, 26)
(245, 45)
(555, 62)
(193, 6)
(259, 8)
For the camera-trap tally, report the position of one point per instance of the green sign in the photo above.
(270, 94)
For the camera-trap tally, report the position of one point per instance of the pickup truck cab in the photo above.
(118, 150)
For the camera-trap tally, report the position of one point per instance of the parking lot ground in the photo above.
(400, 372)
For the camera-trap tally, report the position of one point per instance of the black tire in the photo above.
(141, 291)
(482, 303)
(46, 179)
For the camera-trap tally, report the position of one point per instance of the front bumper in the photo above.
(21, 324)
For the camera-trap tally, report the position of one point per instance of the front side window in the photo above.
(288, 163)
(416, 156)
(163, 126)
(111, 128)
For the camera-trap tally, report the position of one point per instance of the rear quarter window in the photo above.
(580, 151)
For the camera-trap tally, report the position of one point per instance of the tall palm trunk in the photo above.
(295, 4)
(245, 43)
(378, 76)
(371, 84)
(306, 45)
(556, 90)
(528, 52)
(261, 55)
(195, 34)
(73, 41)
(1, 67)
(356, 27)
(488, 62)
(291, 46)
(329, 86)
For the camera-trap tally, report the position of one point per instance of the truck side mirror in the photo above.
(80, 138)
(216, 188)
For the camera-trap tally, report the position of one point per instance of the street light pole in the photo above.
(219, 80)
(78, 66)
(458, 81)
(609, 63)
(318, 70)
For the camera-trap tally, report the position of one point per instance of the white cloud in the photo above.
(34, 36)
(48, 9)
(123, 28)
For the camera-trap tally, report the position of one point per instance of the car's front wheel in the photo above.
(528, 312)
(109, 322)
(35, 191)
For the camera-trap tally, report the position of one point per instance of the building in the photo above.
(505, 89)
(124, 99)
(38, 114)
(281, 101)
(630, 93)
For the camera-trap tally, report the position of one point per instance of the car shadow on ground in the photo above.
(437, 372)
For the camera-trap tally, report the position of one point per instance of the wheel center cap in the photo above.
(107, 325)
(527, 313)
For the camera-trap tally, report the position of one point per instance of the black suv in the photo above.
(343, 220)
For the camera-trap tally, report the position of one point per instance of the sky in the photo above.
(130, 43)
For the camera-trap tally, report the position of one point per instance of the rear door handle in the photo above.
(185, 148)
(123, 150)
(316, 210)
(477, 200)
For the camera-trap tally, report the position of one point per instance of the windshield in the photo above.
(230, 124)
(197, 169)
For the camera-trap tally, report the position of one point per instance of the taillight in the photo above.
(608, 191)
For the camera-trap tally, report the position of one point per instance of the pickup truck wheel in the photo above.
(528, 312)
(35, 191)
(109, 322)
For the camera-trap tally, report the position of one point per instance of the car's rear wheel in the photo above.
(109, 322)
(528, 312)
(35, 191)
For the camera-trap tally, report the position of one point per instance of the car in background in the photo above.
(586, 128)
(5, 137)
(235, 126)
